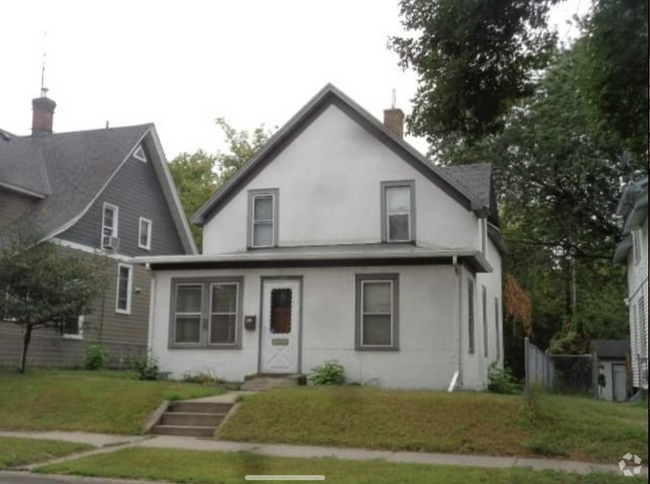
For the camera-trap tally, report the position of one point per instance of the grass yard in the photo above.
(18, 452)
(85, 401)
(578, 429)
(186, 466)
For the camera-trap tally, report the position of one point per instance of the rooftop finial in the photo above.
(394, 103)
(43, 88)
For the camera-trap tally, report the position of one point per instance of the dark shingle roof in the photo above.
(69, 168)
(22, 167)
(611, 348)
(477, 179)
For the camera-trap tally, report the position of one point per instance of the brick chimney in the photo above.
(394, 120)
(43, 116)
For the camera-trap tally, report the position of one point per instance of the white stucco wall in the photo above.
(638, 290)
(428, 352)
(329, 181)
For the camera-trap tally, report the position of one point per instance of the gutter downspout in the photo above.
(152, 307)
(459, 361)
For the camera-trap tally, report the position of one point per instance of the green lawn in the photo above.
(17, 452)
(85, 401)
(186, 466)
(578, 429)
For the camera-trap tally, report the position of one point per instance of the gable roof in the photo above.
(330, 95)
(611, 348)
(68, 172)
(476, 178)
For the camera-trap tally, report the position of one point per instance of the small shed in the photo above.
(613, 357)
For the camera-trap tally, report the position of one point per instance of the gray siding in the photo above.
(137, 192)
(12, 206)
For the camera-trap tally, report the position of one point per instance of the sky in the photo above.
(181, 65)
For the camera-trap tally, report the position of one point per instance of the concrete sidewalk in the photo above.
(309, 452)
(111, 443)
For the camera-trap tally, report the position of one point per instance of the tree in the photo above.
(196, 180)
(200, 175)
(473, 59)
(45, 285)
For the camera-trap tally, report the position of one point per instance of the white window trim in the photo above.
(270, 222)
(116, 221)
(392, 312)
(637, 240)
(388, 215)
(149, 233)
(80, 334)
(129, 292)
(138, 154)
(177, 314)
(212, 313)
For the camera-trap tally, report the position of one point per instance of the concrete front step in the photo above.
(183, 430)
(199, 407)
(192, 419)
(263, 382)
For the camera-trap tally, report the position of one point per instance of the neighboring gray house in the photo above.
(613, 358)
(106, 192)
(633, 252)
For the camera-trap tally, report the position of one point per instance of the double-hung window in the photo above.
(124, 289)
(110, 218)
(73, 328)
(206, 313)
(398, 211)
(377, 312)
(144, 233)
(263, 218)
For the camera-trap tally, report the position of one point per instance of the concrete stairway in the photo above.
(192, 419)
(262, 382)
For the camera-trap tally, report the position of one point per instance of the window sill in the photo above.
(377, 348)
(76, 337)
(144, 248)
(203, 347)
(123, 313)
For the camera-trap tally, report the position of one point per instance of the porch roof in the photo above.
(323, 256)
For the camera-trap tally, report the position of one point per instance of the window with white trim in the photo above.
(124, 289)
(73, 328)
(110, 219)
(206, 313)
(377, 311)
(139, 154)
(263, 213)
(144, 233)
(398, 211)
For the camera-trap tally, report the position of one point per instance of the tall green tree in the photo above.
(473, 60)
(200, 175)
(45, 285)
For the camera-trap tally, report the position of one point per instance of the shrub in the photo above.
(501, 380)
(331, 373)
(147, 368)
(97, 357)
(208, 378)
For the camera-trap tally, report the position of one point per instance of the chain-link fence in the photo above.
(563, 374)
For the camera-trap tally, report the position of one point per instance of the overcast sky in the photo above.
(182, 64)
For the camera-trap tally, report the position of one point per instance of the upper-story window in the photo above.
(263, 209)
(398, 211)
(110, 218)
(144, 234)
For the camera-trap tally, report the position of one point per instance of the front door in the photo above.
(620, 382)
(280, 326)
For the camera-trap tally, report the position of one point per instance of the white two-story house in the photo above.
(338, 241)
(633, 252)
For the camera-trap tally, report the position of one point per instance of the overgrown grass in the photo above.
(85, 401)
(18, 452)
(185, 466)
(465, 423)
